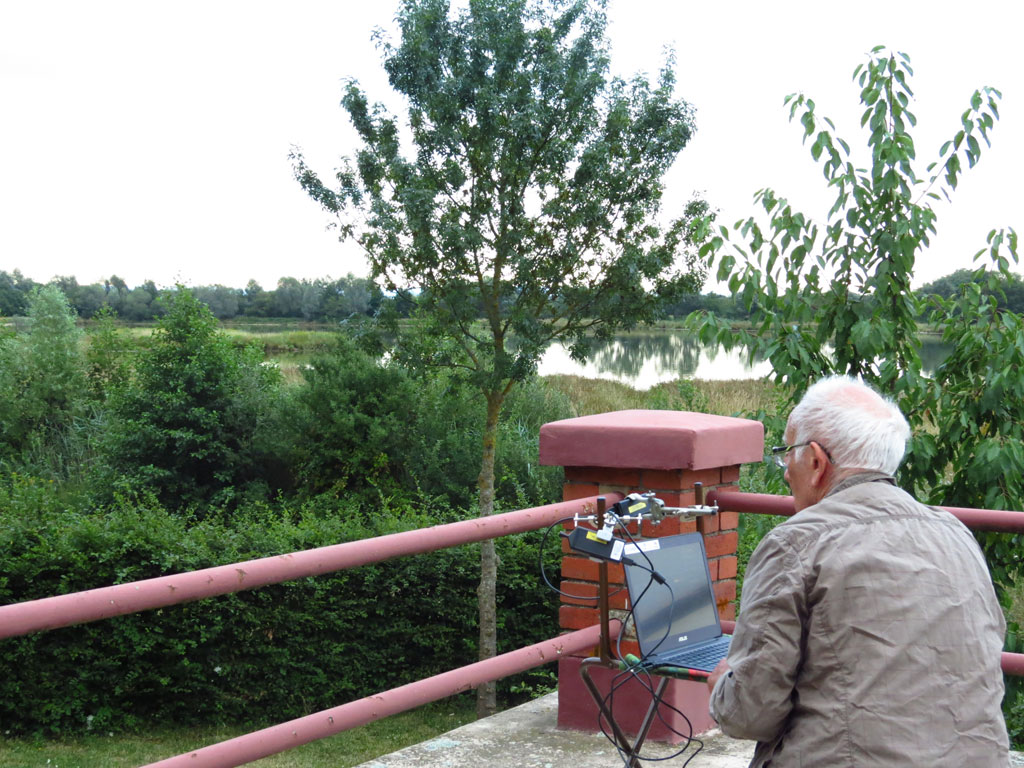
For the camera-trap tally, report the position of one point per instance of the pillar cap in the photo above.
(643, 439)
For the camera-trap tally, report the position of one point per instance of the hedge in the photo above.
(260, 656)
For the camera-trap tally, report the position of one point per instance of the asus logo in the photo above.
(683, 639)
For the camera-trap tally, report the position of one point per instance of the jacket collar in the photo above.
(869, 476)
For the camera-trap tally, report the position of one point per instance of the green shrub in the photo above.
(44, 403)
(108, 355)
(447, 443)
(366, 428)
(259, 656)
(193, 422)
(352, 423)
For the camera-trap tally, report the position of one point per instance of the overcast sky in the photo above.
(150, 139)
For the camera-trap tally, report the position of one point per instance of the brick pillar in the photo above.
(666, 452)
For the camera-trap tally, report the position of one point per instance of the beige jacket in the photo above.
(869, 635)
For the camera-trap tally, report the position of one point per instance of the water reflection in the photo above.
(643, 360)
(933, 351)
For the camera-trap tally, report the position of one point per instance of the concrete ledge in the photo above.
(527, 737)
(639, 439)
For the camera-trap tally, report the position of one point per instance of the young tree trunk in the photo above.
(486, 694)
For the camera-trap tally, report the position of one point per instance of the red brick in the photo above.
(731, 474)
(588, 594)
(632, 528)
(726, 567)
(663, 479)
(725, 591)
(577, 617)
(673, 499)
(708, 477)
(586, 591)
(728, 521)
(573, 491)
(707, 524)
(670, 526)
(727, 612)
(719, 544)
(585, 569)
(713, 568)
(579, 474)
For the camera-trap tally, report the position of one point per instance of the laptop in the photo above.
(676, 627)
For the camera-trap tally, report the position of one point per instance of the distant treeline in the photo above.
(312, 300)
(326, 299)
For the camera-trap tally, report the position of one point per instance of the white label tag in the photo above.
(617, 547)
(643, 546)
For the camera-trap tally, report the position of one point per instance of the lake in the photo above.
(643, 360)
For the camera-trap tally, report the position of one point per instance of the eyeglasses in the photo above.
(779, 452)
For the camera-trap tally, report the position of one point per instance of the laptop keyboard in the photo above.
(704, 657)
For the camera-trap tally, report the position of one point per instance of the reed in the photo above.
(723, 398)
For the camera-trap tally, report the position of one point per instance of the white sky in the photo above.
(150, 139)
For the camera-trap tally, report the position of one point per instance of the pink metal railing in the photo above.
(106, 602)
(976, 519)
(767, 504)
(303, 730)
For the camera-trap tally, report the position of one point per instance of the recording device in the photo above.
(593, 544)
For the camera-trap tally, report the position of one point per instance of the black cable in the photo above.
(639, 672)
(643, 677)
(655, 576)
(635, 671)
(543, 573)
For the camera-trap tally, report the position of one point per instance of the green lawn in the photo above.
(346, 749)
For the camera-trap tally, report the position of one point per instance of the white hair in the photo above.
(860, 428)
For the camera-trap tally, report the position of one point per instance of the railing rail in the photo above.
(105, 602)
(767, 504)
(295, 733)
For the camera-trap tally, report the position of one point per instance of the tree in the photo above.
(847, 284)
(14, 290)
(257, 302)
(532, 191)
(107, 356)
(191, 420)
(352, 423)
(222, 301)
(42, 387)
(1009, 289)
(347, 296)
(288, 297)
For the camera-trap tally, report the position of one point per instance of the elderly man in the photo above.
(869, 632)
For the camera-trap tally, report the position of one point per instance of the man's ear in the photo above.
(820, 468)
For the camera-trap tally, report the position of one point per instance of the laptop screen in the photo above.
(666, 620)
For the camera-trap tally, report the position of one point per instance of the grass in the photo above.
(353, 747)
(724, 398)
(275, 342)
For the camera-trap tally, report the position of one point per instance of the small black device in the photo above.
(596, 544)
